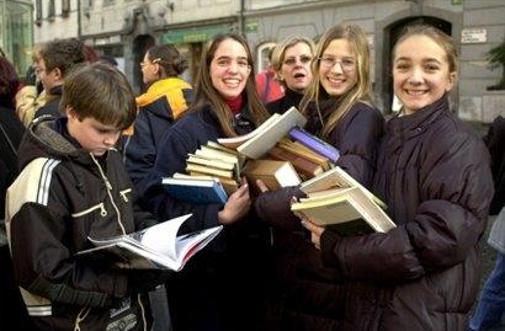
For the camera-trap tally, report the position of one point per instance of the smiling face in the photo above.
(420, 72)
(229, 69)
(337, 68)
(94, 137)
(295, 70)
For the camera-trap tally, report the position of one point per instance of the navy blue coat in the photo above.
(221, 287)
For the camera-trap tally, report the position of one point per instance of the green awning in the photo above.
(194, 35)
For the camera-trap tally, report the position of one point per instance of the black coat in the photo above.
(304, 295)
(290, 99)
(221, 287)
(52, 107)
(434, 174)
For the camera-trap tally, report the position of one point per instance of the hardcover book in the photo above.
(314, 143)
(275, 174)
(195, 190)
(157, 247)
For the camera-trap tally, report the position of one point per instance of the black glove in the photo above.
(145, 280)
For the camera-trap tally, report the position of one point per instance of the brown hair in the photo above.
(99, 91)
(439, 37)
(62, 54)
(206, 94)
(361, 92)
(170, 60)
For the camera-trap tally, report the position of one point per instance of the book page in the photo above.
(162, 237)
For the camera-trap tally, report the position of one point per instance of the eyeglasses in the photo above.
(291, 61)
(329, 62)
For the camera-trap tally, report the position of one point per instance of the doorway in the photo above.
(141, 44)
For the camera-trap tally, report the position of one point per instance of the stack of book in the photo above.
(212, 174)
(336, 199)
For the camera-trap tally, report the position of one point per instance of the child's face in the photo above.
(230, 69)
(295, 68)
(338, 68)
(420, 72)
(94, 137)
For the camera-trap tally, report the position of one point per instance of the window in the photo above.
(38, 12)
(51, 10)
(87, 4)
(262, 55)
(108, 2)
(65, 8)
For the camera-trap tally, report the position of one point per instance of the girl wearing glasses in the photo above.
(291, 61)
(165, 100)
(434, 174)
(219, 288)
(338, 105)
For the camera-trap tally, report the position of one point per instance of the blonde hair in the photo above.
(360, 92)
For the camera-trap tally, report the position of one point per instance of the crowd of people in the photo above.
(82, 157)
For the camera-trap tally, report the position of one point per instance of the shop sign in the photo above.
(473, 36)
(194, 35)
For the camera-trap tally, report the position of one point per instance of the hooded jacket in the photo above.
(63, 196)
(433, 172)
(163, 103)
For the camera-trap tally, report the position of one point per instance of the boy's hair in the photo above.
(62, 54)
(99, 91)
(361, 92)
(169, 59)
(438, 36)
(206, 93)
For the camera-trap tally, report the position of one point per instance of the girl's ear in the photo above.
(70, 112)
(452, 80)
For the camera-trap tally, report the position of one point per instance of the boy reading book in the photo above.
(73, 186)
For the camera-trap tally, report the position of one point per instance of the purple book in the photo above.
(315, 144)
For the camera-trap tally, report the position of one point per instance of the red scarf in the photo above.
(235, 104)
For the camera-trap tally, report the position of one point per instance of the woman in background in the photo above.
(165, 100)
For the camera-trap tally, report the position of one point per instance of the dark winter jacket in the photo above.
(280, 106)
(63, 196)
(304, 293)
(494, 140)
(53, 104)
(11, 131)
(163, 103)
(220, 287)
(434, 174)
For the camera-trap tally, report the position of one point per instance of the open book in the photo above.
(157, 247)
(258, 142)
(337, 199)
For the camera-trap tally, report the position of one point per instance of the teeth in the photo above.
(411, 92)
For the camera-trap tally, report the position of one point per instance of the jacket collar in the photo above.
(414, 124)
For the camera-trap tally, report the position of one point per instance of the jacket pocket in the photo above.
(99, 207)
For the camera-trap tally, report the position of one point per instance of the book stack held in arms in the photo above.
(156, 247)
(337, 200)
(279, 152)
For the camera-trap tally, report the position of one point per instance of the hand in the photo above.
(315, 230)
(262, 187)
(237, 205)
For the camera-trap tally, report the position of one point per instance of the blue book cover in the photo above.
(196, 191)
(317, 145)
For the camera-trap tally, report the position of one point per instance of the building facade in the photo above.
(476, 26)
(16, 32)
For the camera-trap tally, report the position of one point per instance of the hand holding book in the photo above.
(237, 206)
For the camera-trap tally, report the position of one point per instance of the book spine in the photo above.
(315, 144)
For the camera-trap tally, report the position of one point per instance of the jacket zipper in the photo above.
(83, 313)
(108, 186)
(101, 206)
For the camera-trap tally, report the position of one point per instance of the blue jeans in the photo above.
(492, 299)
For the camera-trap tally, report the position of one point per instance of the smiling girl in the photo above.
(433, 173)
(338, 104)
(218, 290)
